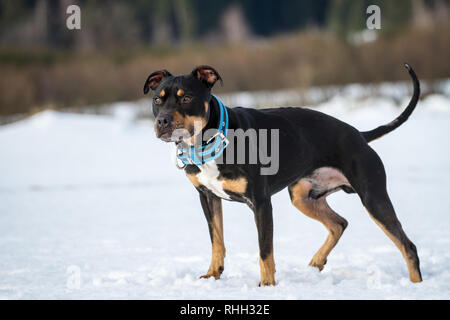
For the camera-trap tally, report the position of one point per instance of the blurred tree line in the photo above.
(255, 45)
(116, 23)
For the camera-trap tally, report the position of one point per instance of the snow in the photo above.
(92, 207)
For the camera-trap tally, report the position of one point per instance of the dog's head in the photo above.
(181, 103)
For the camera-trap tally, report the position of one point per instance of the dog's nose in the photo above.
(164, 121)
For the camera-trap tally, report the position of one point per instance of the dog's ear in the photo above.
(154, 79)
(208, 75)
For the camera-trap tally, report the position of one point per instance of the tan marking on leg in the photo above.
(218, 246)
(194, 180)
(162, 93)
(180, 92)
(318, 209)
(267, 267)
(206, 106)
(414, 274)
(237, 185)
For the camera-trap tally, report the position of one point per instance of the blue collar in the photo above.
(212, 149)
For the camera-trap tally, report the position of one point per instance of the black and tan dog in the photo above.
(318, 155)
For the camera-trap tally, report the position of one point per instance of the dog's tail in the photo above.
(382, 130)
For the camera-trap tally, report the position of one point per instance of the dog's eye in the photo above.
(157, 100)
(186, 99)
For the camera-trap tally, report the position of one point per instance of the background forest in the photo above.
(255, 45)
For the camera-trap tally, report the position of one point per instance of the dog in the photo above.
(318, 155)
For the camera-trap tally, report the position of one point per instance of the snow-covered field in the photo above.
(98, 197)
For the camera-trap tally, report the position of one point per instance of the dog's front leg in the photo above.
(212, 208)
(264, 224)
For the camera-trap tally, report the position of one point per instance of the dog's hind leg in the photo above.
(318, 209)
(368, 178)
(212, 208)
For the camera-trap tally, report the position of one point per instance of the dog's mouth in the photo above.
(174, 134)
(165, 136)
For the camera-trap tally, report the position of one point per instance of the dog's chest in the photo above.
(209, 178)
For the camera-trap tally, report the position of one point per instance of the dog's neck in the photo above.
(213, 122)
(214, 115)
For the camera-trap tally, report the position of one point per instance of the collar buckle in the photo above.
(178, 161)
(222, 137)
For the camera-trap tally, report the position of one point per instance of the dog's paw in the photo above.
(215, 273)
(318, 264)
(266, 283)
(209, 275)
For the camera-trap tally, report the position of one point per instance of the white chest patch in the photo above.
(208, 177)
